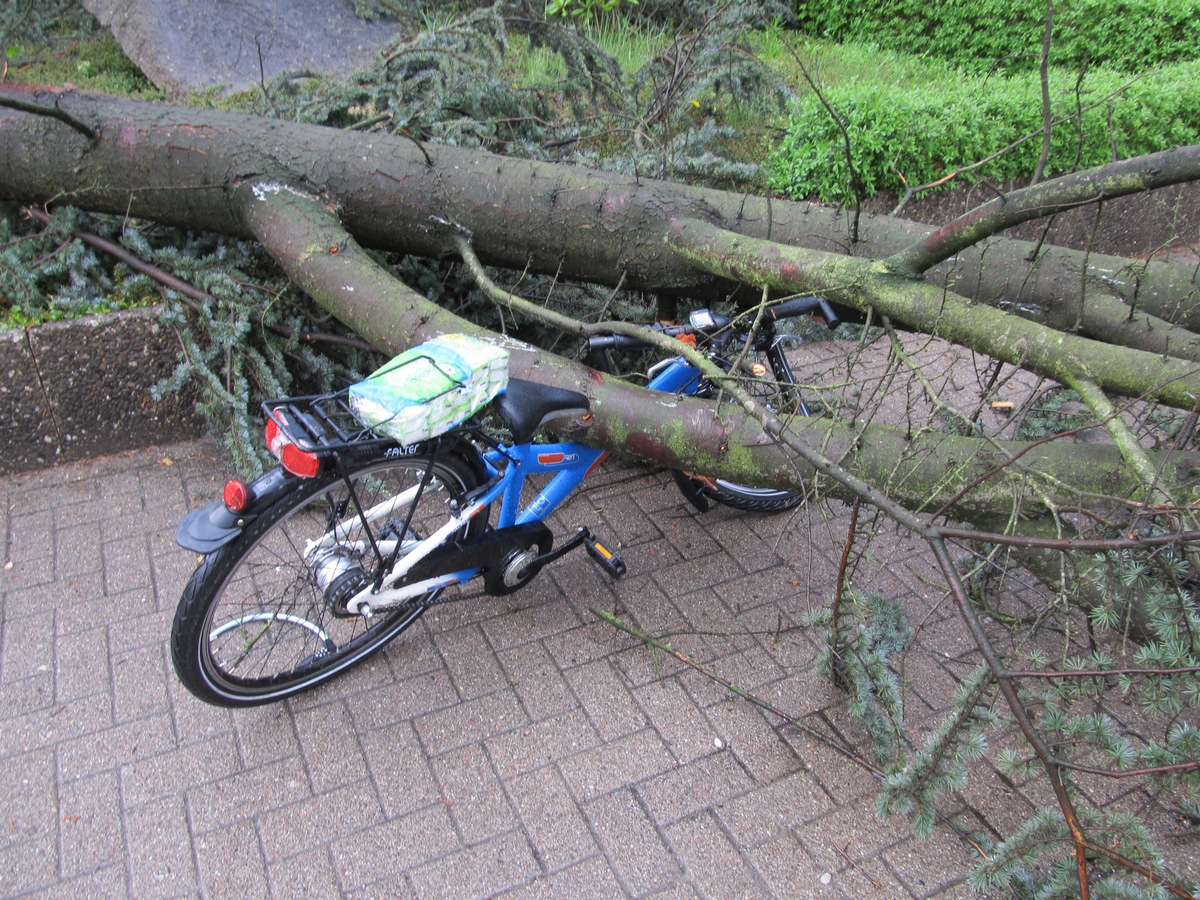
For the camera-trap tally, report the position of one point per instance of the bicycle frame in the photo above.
(678, 376)
(509, 466)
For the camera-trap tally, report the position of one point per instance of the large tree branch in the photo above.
(196, 167)
(1118, 179)
(169, 163)
(865, 285)
(306, 237)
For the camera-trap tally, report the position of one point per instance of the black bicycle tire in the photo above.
(750, 499)
(193, 629)
(744, 497)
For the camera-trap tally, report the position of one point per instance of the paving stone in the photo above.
(531, 623)
(699, 785)
(244, 795)
(31, 551)
(81, 666)
(29, 865)
(29, 695)
(626, 760)
(112, 746)
(398, 846)
(27, 646)
(404, 699)
(471, 721)
(400, 770)
(479, 871)
(470, 660)
(307, 874)
(473, 792)
(679, 722)
(607, 700)
(552, 821)
(138, 682)
(539, 744)
(850, 835)
(312, 822)
(535, 676)
(517, 745)
(591, 878)
(159, 849)
(748, 735)
(28, 800)
(636, 851)
(89, 836)
(77, 551)
(932, 868)
(230, 863)
(266, 734)
(765, 813)
(331, 750)
(52, 726)
(713, 864)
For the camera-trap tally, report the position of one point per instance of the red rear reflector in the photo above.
(298, 462)
(550, 459)
(237, 496)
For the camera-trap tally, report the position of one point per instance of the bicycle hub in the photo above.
(340, 577)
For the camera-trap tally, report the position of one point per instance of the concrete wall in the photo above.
(70, 390)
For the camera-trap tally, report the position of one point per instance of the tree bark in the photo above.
(172, 163)
(258, 178)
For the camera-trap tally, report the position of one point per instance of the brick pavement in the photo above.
(512, 745)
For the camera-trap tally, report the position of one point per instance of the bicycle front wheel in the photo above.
(780, 395)
(263, 617)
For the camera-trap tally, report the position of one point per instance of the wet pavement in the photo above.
(516, 744)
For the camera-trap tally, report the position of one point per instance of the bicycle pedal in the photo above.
(609, 561)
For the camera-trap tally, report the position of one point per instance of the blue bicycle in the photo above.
(322, 561)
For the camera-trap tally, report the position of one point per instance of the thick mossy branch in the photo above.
(866, 285)
(1118, 179)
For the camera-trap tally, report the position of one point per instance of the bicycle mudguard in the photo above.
(213, 526)
(690, 488)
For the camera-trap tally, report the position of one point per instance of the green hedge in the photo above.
(1128, 35)
(926, 132)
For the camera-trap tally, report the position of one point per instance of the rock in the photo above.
(238, 44)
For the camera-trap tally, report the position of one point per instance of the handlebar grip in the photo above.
(799, 306)
(613, 342)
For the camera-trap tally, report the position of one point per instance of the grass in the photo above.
(95, 63)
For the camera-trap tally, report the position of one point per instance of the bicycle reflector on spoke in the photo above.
(297, 461)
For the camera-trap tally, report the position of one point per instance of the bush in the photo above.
(1128, 35)
(924, 133)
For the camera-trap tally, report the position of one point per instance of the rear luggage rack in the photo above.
(322, 422)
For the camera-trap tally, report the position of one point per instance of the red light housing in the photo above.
(299, 462)
(237, 496)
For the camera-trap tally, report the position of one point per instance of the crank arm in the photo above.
(611, 563)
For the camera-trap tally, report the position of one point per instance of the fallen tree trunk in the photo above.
(257, 178)
(172, 164)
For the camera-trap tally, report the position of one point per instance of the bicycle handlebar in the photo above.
(788, 309)
(798, 306)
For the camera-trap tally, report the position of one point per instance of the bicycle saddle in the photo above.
(527, 405)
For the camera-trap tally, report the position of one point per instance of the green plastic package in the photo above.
(430, 388)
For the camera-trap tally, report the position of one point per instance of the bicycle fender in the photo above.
(213, 526)
(690, 488)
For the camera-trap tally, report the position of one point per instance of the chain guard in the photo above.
(494, 551)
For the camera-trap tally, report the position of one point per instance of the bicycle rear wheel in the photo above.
(256, 624)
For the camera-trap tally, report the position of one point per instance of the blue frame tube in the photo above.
(568, 463)
(677, 376)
